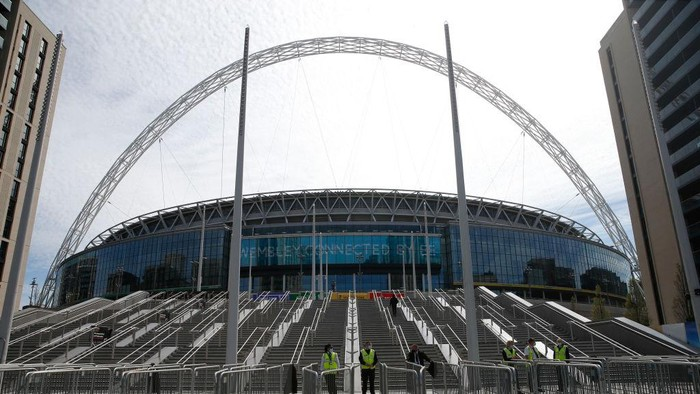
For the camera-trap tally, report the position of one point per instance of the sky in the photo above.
(332, 121)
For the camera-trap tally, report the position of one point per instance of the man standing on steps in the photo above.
(394, 302)
(368, 362)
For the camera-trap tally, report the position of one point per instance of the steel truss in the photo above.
(323, 46)
(344, 206)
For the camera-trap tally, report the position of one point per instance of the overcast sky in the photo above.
(322, 122)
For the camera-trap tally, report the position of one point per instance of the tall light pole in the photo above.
(32, 294)
(234, 266)
(201, 250)
(413, 262)
(320, 263)
(313, 251)
(250, 262)
(327, 288)
(403, 267)
(427, 247)
(467, 272)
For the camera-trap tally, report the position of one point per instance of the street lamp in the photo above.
(197, 279)
(528, 271)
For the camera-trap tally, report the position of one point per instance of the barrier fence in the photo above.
(487, 378)
(401, 380)
(86, 380)
(585, 376)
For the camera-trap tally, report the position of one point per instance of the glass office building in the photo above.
(368, 239)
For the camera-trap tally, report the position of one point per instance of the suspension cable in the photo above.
(189, 180)
(291, 122)
(162, 178)
(430, 148)
(498, 171)
(391, 121)
(318, 124)
(363, 121)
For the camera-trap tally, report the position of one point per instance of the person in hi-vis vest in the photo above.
(329, 361)
(368, 362)
(561, 353)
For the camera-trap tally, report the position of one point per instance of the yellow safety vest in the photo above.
(368, 358)
(531, 353)
(329, 361)
(560, 353)
(510, 352)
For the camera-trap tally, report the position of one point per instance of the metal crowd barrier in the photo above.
(161, 380)
(256, 379)
(478, 377)
(13, 377)
(331, 381)
(571, 377)
(445, 378)
(652, 376)
(401, 380)
(86, 380)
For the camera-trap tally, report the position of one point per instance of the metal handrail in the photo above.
(165, 335)
(203, 325)
(41, 351)
(178, 312)
(300, 342)
(491, 302)
(255, 346)
(531, 315)
(604, 338)
(457, 337)
(494, 317)
(439, 329)
(548, 337)
(61, 325)
(110, 341)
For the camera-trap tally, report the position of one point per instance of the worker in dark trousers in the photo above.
(368, 362)
(509, 354)
(394, 302)
(330, 362)
(561, 353)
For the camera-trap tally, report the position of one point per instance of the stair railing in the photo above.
(593, 333)
(62, 326)
(299, 348)
(262, 338)
(155, 342)
(528, 314)
(548, 335)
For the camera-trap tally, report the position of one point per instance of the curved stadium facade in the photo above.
(366, 234)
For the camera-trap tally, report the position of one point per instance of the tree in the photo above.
(635, 305)
(681, 300)
(598, 311)
(574, 303)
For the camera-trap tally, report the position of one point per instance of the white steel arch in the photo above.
(331, 45)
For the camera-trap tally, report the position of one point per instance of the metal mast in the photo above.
(234, 264)
(465, 246)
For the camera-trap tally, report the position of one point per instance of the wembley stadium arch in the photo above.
(336, 45)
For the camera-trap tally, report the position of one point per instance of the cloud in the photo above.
(340, 120)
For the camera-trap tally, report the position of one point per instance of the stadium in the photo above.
(368, 239)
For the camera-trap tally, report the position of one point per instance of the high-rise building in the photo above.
(30, 67)
(651, 63)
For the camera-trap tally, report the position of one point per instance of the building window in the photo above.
(3, 255)
(25, 32)
(4, 133)
(23, 144)
(14, 195)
